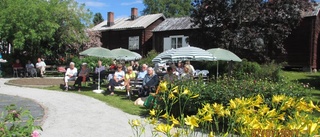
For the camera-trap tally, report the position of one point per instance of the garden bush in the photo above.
(17, 123)
(279, 115)
(91, 61)
(148, 59)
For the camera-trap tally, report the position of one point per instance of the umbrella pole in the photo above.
(217, 69)
(98, 90)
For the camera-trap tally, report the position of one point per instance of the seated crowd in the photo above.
(124, 76)
(30, 69)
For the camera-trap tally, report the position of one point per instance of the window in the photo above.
(174, 42)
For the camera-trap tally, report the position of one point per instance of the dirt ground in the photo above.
(37, 81)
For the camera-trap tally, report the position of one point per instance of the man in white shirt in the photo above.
(71, 75)
(41, 66)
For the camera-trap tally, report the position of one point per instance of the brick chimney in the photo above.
(110, 19)
(134, 13)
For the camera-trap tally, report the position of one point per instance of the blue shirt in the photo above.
(142, 74)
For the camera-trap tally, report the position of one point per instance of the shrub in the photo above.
(269, 70)
(91, 61)
(11, 123)
(148, 59)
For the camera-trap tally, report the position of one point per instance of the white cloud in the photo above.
(93, 4)
(131, 3)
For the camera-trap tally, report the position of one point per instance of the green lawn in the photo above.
(119, 100)
(305, 77)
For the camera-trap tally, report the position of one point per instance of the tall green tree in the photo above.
(170, 8)
(254, 29)
(97, 18)
(42, 27)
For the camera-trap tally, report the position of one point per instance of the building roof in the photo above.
(181, 23)
(313, 12)
(141, 22)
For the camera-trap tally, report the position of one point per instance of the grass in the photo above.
(313, 79)
(119, 100)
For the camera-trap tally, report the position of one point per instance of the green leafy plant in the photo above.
(148, 59)
(16, 122)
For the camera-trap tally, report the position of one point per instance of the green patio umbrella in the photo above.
(98, 52)
(223, 55)
(125, 54)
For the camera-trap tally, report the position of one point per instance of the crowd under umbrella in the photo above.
(125, 54)
(100, 53)
(188, 53)
(223, 55)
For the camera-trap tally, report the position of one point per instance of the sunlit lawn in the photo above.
(119, 100)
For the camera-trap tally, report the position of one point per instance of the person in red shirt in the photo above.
(17, 67)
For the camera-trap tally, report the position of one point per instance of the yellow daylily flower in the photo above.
(312, 128)
(186, 91)
(233, 104)
(152, 112)
(163, 86)
(192, 121)
(211, 134)
(135, 123)
(311, 105)
(271, 113)
(258, 101)
(263, 110)
(172, 96)
(177, 134)
(207, 118)
(278, 98)
(195, 96)
(281, 116)
(174, 120)
(153, 121)
(175, 89)
(164, 116)
(164, 128)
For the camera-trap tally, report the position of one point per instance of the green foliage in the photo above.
(97, 18)
(250, 28)
(224, 89)
(42, 27)
(269, 70)
(11, 123)
(148, 59)
(170, 8)
(91, 61)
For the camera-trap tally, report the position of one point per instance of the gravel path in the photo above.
(73, 115)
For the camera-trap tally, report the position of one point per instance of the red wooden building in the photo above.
(133, 33)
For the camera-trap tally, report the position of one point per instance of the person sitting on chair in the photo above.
(131, 75)
(17, 68)
(41, 66)
(143, 71)
(83, 76)
(31, 71)
(170, 77)
(100, 69)
(149, 83)
(71, 74)
(118, 78)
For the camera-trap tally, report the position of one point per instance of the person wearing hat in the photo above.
(83, 75)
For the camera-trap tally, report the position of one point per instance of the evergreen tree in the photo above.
(97, 18)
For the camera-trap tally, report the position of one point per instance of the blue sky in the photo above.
(121, 8)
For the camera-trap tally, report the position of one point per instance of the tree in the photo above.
(254, 29)
(170, 8)
(97, 18)
(42, 27)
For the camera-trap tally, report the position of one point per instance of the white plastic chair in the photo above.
(204, 72)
